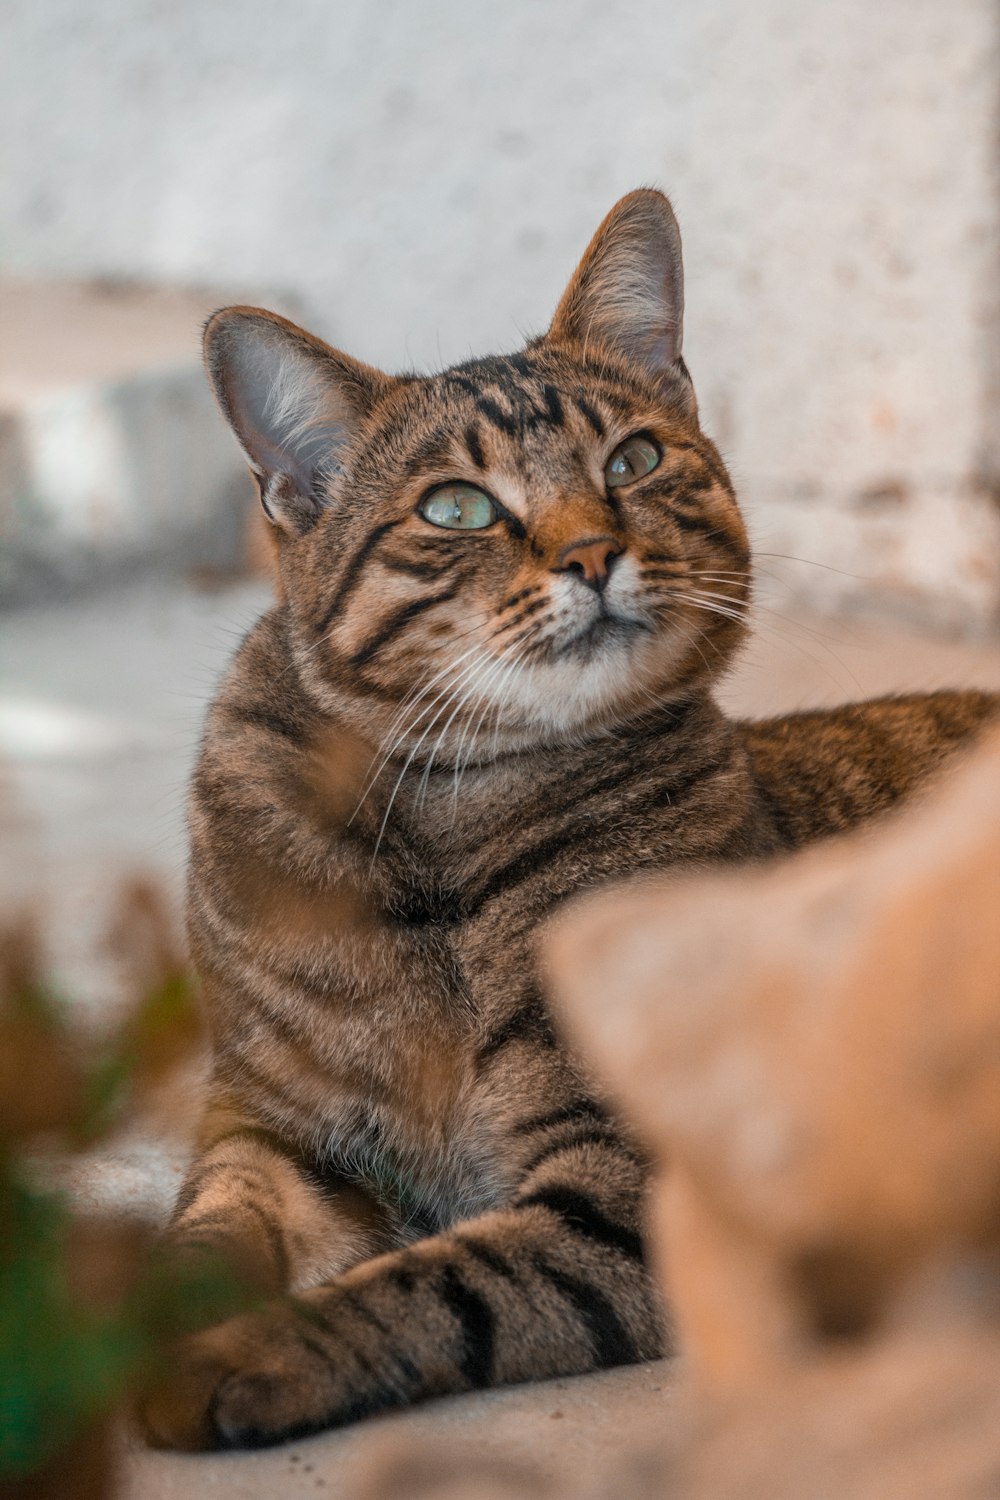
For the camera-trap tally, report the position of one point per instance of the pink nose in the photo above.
(591, 560)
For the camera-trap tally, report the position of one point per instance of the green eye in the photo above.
(460, 507)
(633, 459)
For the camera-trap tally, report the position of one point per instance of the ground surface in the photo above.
(100, 706)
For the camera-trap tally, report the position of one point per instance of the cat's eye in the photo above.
(633, 459)
(460, 507)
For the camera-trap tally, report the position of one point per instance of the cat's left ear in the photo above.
(628, 290)
(292, 401)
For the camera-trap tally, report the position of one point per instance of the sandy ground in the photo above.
(100, 707)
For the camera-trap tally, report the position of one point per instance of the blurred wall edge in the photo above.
(421, 179)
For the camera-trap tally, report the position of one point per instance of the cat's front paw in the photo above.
(257, 1379)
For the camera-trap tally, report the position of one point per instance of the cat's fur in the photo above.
(394, 1133)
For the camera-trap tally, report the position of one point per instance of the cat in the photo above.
(516, 584)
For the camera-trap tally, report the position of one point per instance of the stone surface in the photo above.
(559, 1433)
(112, 453)
(424, 181)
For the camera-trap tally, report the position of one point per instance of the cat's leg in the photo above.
(253, 1198)
(553, 1283)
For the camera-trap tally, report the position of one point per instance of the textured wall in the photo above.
(423, 176)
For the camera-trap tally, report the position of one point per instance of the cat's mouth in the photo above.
(606, 630)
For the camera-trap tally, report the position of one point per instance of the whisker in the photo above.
(465, 698)
(411, 701)
(511, 666)
(810, 562)
(807, 630)
(760, 629)
(399, 779)
(502, 666)
(445, 693)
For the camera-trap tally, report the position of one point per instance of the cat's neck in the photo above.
(446, 808)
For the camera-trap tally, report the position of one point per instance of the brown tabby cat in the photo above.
(517, 580)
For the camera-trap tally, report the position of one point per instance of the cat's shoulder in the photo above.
(261, 690)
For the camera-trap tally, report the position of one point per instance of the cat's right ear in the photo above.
(293, 403)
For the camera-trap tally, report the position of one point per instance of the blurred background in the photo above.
(416, 183)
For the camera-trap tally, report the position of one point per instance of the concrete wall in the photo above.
(423, 177)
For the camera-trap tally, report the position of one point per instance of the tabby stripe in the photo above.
(318, 989)
(553, 407)
(407, 1369)
(352, 573)
(488, 1257)
(640, 798)
(611, 1342)
(323, 1354)
(258, 717)
(223, 1219)
(522, 615)
(777, 815)
(702, 526)
(531, 860)
(516, 598)
(717, 472)
(359, 1306)
(236, 1070)
(413, 568)
(477, 1322)
(592, 416)
(475, 447)
(398, 622)
(310, 1313)
(692, 491)
(527, 1023)
(500, 419)
(577, 1110)
(403, 1277)
(254, 1180)
(582, 1216)
(431, 450)
(672, 791)
(464, 384)
(593, 1135)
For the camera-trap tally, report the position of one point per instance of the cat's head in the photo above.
(522, 548)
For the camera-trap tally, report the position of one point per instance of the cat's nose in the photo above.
(590, 560)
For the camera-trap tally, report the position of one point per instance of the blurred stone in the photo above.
(812, 1049)
(112, 454)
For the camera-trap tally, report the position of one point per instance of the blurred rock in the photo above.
(112, 455)
(814, 1049)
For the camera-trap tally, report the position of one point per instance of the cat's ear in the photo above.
(293, 403)
(628, 290)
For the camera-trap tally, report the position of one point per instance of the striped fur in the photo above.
(395, 1135)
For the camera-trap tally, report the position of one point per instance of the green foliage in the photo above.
(62, 1362)
(87, 1306)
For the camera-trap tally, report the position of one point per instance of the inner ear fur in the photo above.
(293, 402)
(628, 290)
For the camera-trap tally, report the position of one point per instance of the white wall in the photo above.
(423, 176)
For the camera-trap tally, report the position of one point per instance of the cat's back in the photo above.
(824, 771)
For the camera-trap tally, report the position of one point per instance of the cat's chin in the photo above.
(599, 678)
(606, 633)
